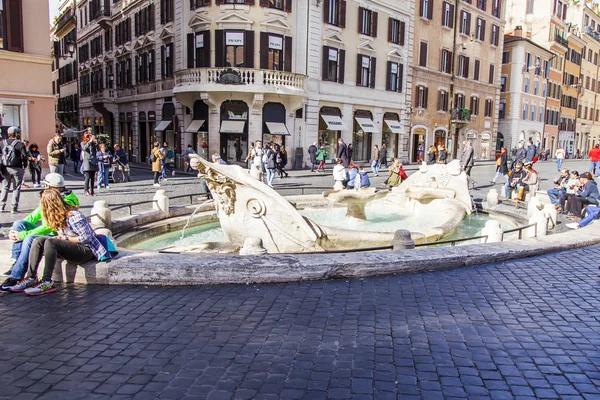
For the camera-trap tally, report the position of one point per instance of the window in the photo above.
(529, 7)
(84, 53)
(505, 57)
(421, 97)
(536, 87)
(465, 23)
(426, 9)
(333, 64)
(502, 111)
(396, 30)
(593, 89)
(597, 115)
(198, 49)
(365, 71)
(123, 32)
(335, 12)
(495, 35)
(476, 70)
(525, 111)
(533, 114)
(481, 4)
(166, 11)
(587, 82)
(459, 100)
(144, 67)
(144, 20)
(446, 61)
(395, 72)
(275, 52)
(423, 55)
(234, 49)
(489, 108)
(585, 113)
(107, 40)
(198, 3)
(11, 25)
(167, 61)
(596, 57)
(491, 77)
(124, 73)
(463, 66)
(560, 9)
(474, 106)
(496, 5)
(503, 83)
(442, 100)
(544, 89)
(367, 22)
(448, 15)
(480, 33)
(546, 69)
(285, 5)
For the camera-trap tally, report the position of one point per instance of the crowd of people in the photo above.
(268, 161)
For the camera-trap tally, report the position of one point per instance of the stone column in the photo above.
(493, 230)
(162, 202)
(402, 240)
(101, 217)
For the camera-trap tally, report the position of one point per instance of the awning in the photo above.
(195, 126)
(334, 123)
(162, 125)
(393, 125)
(232, 126)
(366, 124)
(277, 128)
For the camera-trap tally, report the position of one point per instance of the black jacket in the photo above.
(312, 151)
(19, 149)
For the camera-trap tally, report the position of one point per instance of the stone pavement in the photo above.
(525, 329)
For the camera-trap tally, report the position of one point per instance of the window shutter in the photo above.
(452, 16)
(483, 30)
(388, 76)
(341, 65)
(325, 63)
(467, 60)
(14, 25)
(400, 76)
(264, 50)
(264, 3)
(138, 75)
(476, 73)
(287, 54)
(374, 25)
(471, 106)
(361, 16)
(288, 5)
(191, 49)
(326, 11)
(402, 32)
(420, 8)
(250, 2)
(426, 97)
(162, 62)
(468, 23)
(152, 76)
(162, 12)
(373, 72)
(136, 19)
(342, 17)
(390, 29)
(57, 49)
(219, 48)
(439, 105)
(217, 2)
(430, 9)
(359, 70)
(423, 55)
(206, 49)
(249, 49)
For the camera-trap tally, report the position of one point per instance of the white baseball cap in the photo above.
(54, 180)
(13, 129)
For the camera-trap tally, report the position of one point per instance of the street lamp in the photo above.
(111, 79)
(70, 49)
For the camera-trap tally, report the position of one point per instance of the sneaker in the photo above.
(156, 185)
(8, 283)
(41, 288)
(22, 285)
(3, 207)
(108, 187)
(14, 211)
(573, 225)
(173, 173)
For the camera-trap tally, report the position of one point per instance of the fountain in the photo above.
(356, 200)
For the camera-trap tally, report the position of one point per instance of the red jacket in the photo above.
(595, 155)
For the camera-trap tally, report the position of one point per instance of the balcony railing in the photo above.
(461, 115)
(67, 17)
(561, 40)
(268, 80)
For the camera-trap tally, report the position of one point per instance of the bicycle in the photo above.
(119, 172)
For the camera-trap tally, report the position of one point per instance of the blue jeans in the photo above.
(591, 213)
(270, 176)
(20, 250)
(76, 166)
(165, 170)
(507, 189)
(103, 172)
(559, 162)
(375, 167)
(595, 164)
(555, 194)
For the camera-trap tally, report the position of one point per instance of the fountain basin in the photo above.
(355, 200)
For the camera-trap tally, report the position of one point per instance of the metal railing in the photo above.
(190, 196)
(520, 229)
(452, 242)
(128, 206)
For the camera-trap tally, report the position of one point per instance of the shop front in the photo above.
(439, 138)
(330, 129)
(198, 128)
(419, 134)
(10, 115)
(274, 128)
(486, 139)
(143, 138)
(391, 133)
(234, 131)
(362, 137)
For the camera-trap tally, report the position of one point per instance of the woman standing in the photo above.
(431, 155)
(89, 151)
(34, 159)
(375, 161)
(442, 154)
(270, 164)
(321, 156)
(156, 159)
(282, 160)
(560, 156)
(104, 162)
(501, 166)
(394, 179)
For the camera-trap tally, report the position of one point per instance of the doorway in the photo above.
(418, 145)
(234, 131)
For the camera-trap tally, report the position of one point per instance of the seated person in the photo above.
(339, 173)
(531, 181)
(364, 178)
(23, 232)
(351, 175)
(591, 213)
(571, 188)
(559, 187)
(516, 177)
(587, 194)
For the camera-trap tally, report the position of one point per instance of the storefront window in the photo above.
(234, 49)
(391, 141)
(9, 115)
(329, 140)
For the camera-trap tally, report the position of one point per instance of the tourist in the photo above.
(104, 163)
(375, 161)
(281, 161)
(89, 151)
(256, 167)
(402, 173)
(188, 152)
(351, 175)
(34, 160)
(216, 158)
(13, 165)
(501, 166)
(595, 160)
(339, 174)
(312, 153)
(75, 242)
(513, 153)
(76, 158)
(56, 154)
(168, 156)
(420, 151)
(156, 157)
(467, 158)
(559, 189)
(239, 152)
(383, 156)
(250, 156)
(269, 162)
(530, 151)
(431, 155)
(342, 152)
(321, 157)
(516, 177)
(364, 178)
(531, 182)
(442, 154)
(520, 156)
(591, 213)
(350, 152)
(23, 232)
(587, 194)
(394, 179)
(571, 188)
(560, 156)
(122, 161)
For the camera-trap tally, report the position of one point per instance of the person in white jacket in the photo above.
(339, 175)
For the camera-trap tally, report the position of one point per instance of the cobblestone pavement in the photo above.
(523, 329)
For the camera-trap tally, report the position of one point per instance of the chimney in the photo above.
(518, 32)
(528, 34)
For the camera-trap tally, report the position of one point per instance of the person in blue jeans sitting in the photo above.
(559, 187)
(23, 232)
(591, 213)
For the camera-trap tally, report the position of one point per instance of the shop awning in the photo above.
(394, 126)
(162, 126)
(232, 126)
(367, 125)
(195, 126)
(277, 128)
(334, 123)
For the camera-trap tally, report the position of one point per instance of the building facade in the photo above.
(26, 99)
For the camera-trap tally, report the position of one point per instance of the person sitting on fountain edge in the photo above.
(339, 175)
(351, 175)
(364, 178)
(516, 177)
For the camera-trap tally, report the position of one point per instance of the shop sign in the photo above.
(333, 55)
(275, 43)
(234, 39)
(199, 41)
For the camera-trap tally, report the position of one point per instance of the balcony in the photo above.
(561, 41)
(65, 23)
(239, 80)
(104, 101)
(460, 115)
(101, 14)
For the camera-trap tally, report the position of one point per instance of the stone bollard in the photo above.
(101, 215)
(105, 232)
(539, 218)
(253, 246)
(491, 200)
(533, 204)
(338, 185)
(402, 240)
(57, 274)
(550, 212)
(162, 202)
(493, 230)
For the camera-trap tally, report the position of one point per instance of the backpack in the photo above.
(10, 158)
(170, 154)
(152, 157)
(265, 157)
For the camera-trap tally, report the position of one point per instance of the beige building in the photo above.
(456, 75)
(26, 99)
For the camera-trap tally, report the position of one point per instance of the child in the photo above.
(339, 175)
(321, 156)
(364, 178)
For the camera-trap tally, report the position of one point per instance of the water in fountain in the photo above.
(190, 219)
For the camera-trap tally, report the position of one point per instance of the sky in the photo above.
(53, 9)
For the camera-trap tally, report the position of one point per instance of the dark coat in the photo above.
(503, 167)
(521, 155)
(312, 151)
(270, 164)
(530, 152)
(383, 155)
(342, 153)
(590, 192)
(90, 160)
(350, 151)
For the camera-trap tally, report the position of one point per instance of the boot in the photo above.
(520, 194)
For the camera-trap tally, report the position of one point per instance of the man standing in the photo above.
(312, 152)
(121, 160)
(14, 163)
(383, 156)
(560, 156)
(531, 151)
(595, 160)
(466, 159)
(342, 152)
(168, 155)
(56, 154)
